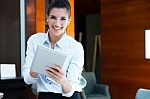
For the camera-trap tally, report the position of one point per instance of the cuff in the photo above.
(29, 79)
(69, 94)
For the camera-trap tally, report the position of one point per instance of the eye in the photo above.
(63, 18)
(52, 17)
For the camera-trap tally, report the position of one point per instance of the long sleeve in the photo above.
(28, 62)
(75, 69)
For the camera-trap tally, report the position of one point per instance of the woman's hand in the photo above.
(57, 73)
(33, 74)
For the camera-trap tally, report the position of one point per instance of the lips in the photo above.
(57, 28)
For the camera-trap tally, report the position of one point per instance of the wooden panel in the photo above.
(30, 18)
(70, 28)
(124, 66)
(40, 16)
(84, 7)
(10, 33)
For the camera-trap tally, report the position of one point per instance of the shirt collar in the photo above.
(46, 38)
(60, 43)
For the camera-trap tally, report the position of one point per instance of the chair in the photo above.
(142, 93)
(94, 90)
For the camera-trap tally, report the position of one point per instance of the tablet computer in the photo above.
(44, 57)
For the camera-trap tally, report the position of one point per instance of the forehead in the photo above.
(59, 12)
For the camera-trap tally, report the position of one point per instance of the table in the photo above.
(13, 88)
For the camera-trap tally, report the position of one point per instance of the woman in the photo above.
(65, 82)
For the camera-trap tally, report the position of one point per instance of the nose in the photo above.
(57, 23)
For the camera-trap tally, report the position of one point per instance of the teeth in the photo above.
(57, 28)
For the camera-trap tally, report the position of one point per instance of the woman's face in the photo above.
(58, 20)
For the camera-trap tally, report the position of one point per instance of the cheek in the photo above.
(65, 24)
(50, 22)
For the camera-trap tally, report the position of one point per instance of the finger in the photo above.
(55, 72)
(56, 78)
(52, 75)
(50, 69)
(57, 67)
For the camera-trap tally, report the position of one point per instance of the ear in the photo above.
(69, 21)
(46, 18)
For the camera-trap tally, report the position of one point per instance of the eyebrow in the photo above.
(55, 16)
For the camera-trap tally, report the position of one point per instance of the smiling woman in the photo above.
(40, 16)
(59, 83)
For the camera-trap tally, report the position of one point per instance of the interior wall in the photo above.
(87, 22)
(40, 15)
(10, 33)
(70, 29)
(124, 67)
(92, 29)
(30, 18)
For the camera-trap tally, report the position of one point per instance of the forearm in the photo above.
(66, 87)
(33, 74)
(27, 76)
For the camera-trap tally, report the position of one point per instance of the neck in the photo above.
(54, 39)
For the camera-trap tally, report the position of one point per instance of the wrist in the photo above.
(66, 87)
(33, 74)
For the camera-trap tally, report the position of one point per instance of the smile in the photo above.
(57, 28)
